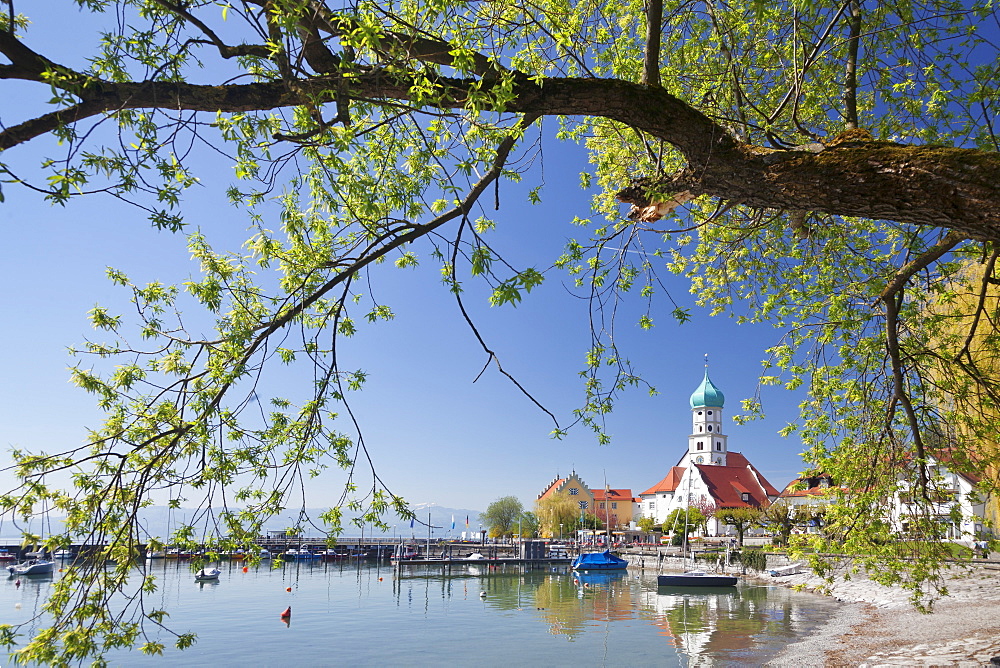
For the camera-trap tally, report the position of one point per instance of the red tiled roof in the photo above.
(613, 494)
(727, 484)
(668, 484)
(818, 488)
(552, 487)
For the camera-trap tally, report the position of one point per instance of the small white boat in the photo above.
(207, 575)
(37, 566)
(790, 569)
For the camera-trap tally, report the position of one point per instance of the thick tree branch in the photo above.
(926, 185)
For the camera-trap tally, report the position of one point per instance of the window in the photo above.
(699, 429)
(573, 491)
(700, 446)
(614, 505)
(699, 412)
(745, 496)
(583, 505)
(652, 505)
(709, 412)
(602, 505)
(718, 445)
(710, 427)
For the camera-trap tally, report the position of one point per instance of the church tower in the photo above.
(707, 444)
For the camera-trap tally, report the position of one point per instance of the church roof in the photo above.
(669, 483)
(707, 394)
(728, 484)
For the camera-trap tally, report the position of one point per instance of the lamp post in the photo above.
(560, 532)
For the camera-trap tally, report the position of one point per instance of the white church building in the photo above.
(708, 474)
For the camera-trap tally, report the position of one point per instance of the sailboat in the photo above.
(600, 561)
(693, 577)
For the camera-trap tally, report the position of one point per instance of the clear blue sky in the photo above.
(435, 436)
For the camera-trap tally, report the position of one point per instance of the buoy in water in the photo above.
(17, 582)
(287, 613)
(245, 569)
(482, 594)
(288, 589)
(380, 579)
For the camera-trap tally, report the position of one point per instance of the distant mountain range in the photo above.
(161, 520)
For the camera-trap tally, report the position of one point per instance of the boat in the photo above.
(599, 561)
(790, 569)
(207, 575)
(405, 552)
(7, 556)
(63, 554)
(693, 578)
(35, 566)
(299, 555)
(696, 579)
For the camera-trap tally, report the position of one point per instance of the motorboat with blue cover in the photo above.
(599, 561)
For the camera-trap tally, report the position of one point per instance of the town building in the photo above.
(708, 476)
(950, 492)
(615, 508)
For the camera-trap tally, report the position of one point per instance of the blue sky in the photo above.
(434, 434)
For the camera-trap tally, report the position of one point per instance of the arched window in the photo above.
(700, 446)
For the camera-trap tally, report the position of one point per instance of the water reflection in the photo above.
(546, 615)
(698, 625)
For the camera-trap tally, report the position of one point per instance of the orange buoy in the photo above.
(245, 569)
(288, 589)
(380, 579)
(287, 612)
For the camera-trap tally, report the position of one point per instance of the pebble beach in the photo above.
(879, 626)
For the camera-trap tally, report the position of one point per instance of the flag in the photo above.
(411, 522)
(452, 522)
(466, 521)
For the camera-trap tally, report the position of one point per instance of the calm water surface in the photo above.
(372, 615)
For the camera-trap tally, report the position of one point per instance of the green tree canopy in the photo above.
(826, 167)
(740, 519)
(556, 513)
(528, 525)
(501, 516)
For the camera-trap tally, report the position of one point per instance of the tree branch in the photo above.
(651, 57)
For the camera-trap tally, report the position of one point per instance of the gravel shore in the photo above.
(878, 626)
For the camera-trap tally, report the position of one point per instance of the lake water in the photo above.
(372, 615)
